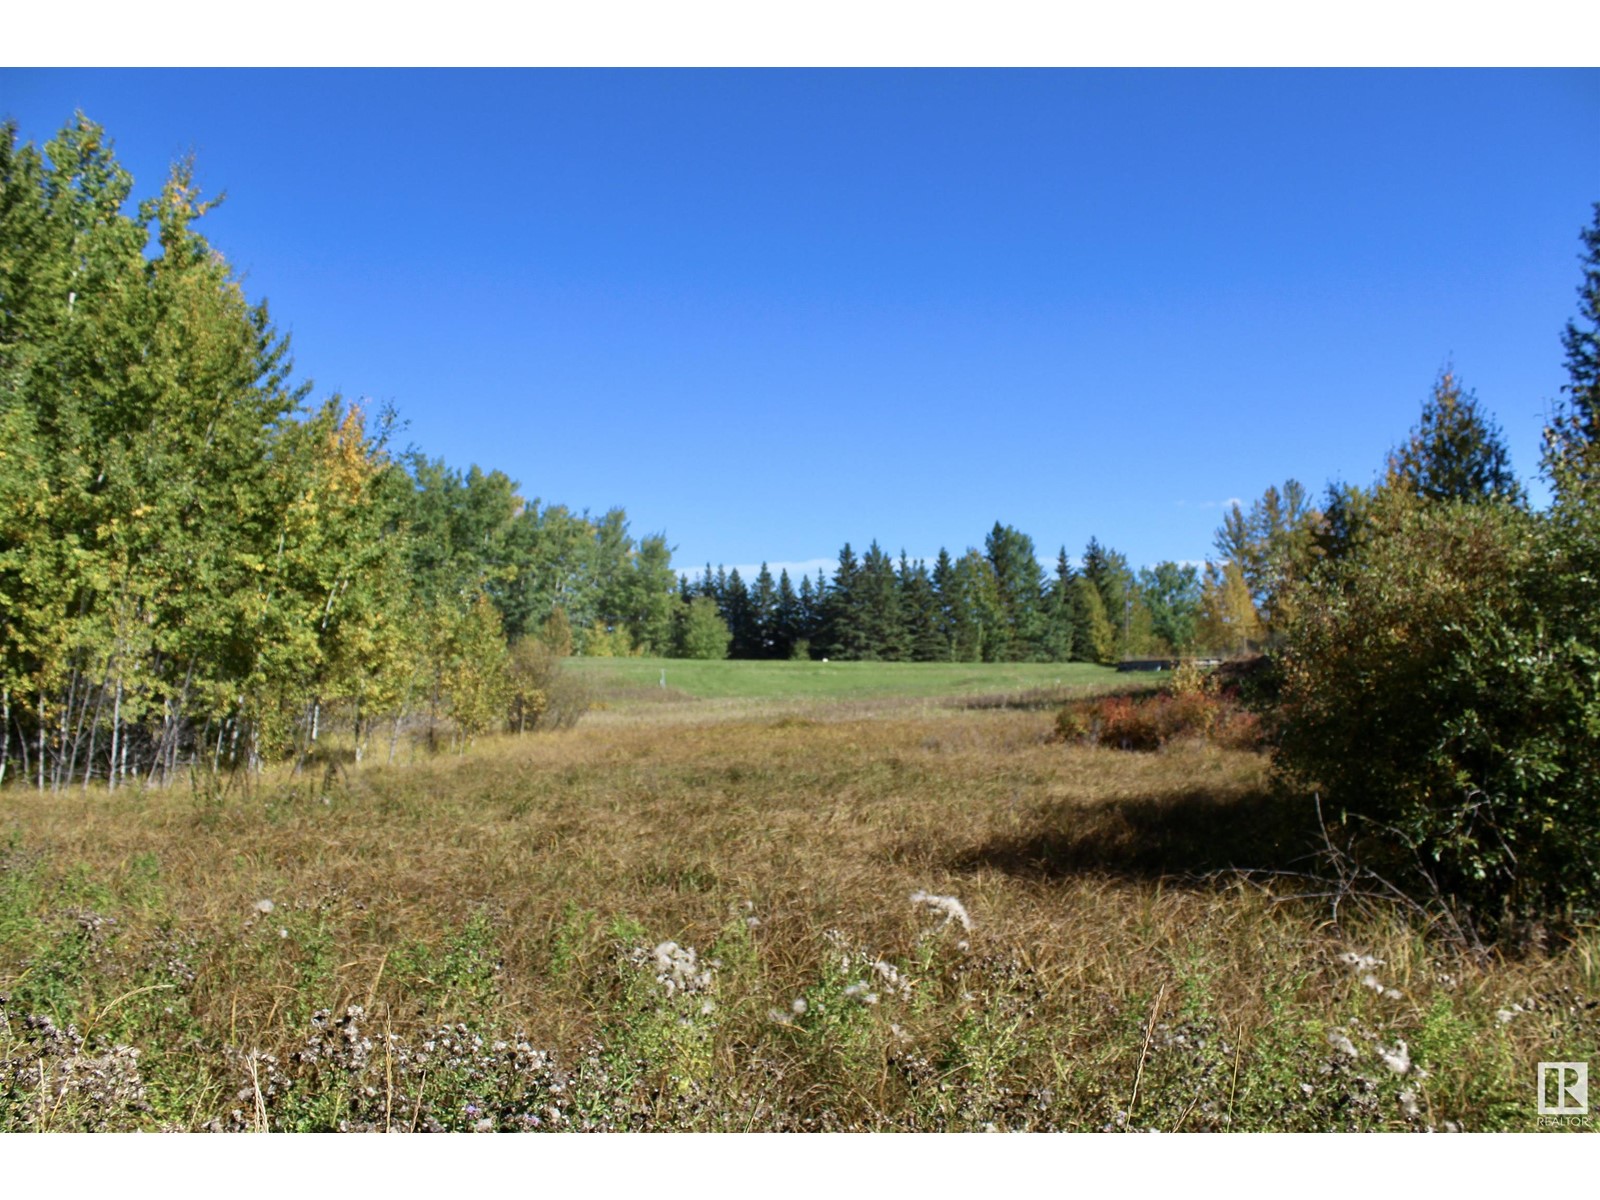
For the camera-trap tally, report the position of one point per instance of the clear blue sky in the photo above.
(768, 312)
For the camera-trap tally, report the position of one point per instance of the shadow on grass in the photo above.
(1183, 837)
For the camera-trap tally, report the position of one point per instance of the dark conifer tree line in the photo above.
(997, 604)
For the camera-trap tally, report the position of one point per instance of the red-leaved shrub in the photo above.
(1200, 713)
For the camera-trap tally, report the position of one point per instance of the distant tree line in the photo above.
(998, 604)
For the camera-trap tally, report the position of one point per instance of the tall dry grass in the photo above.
(1137, 956)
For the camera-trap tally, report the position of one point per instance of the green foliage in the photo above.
(469, 969)
(1019, 584)
(1572, 443)
(702, 633)
(919, 608)
(1066, 631)
(1455, 452)
(543, 695)
(1172, 595)
(1443, 685)
(1228, 619)
(976, 618)
(1106, 570)
(1100, 636)
(739, 615)
(880, 623)
(1273, 546)
(602, 641)
(764, 615)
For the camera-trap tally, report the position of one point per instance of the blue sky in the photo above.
(767, 312)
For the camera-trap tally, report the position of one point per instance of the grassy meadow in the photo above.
(781, 909)
(632, 684)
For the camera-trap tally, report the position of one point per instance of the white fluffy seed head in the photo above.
(951, 907)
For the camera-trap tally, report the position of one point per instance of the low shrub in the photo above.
(543, 695)
(1192, 707)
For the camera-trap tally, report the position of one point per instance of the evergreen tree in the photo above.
(1455, 452)
(878, 606)
(810, 620)
(1346, 515)
(944, 589)
(1107, 571)
(739, 614)
(764, 616)
(1064, 629)
(788, 621)
(919, 608)
(1019, 581)
(842, 634)
(1572, 442)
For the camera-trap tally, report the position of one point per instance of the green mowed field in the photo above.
(620, 679)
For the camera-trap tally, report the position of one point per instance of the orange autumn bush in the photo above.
(1193, 708)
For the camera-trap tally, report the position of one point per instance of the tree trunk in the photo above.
(116, 736)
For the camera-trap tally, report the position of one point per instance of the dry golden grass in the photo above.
(1118, 972)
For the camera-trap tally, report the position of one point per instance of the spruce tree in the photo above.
(1063, 615)
(1456, 452)
(1020, 583)
(944, 584)
(919, 608)
(809, 621)
(764, 616)
(788, 617)
(739, 614)
(1572, 443)
(878, 605)
(842, 633)
(1107, 571)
